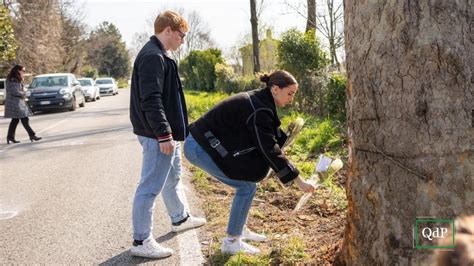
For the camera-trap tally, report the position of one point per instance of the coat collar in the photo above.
(160, 45)
(265, 95)
(157, 42)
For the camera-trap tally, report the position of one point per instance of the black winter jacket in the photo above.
(157, 106)
(246, 137)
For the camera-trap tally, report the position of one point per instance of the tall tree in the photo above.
(311, 17)
(255, 41)
(329, 27)
(115, 60)
(8, 43)
(38, 28)
(73, 36)
(197, 38)
(328, 23)
(410, 107)
(107, 51)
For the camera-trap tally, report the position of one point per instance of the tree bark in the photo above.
(255, 41)
(311, 18)
(410, 102)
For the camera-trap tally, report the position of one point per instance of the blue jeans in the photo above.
(160, 173)
(245, 190)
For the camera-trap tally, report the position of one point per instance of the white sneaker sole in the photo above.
(136, 254)
(177, 229)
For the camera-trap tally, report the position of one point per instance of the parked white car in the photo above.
(107, 85)
(2, 91)
(91, 91)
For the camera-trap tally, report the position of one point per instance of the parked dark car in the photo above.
(55, 91)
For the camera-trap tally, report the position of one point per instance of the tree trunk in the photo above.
(255, 41)
(410, 68)
(311, 18)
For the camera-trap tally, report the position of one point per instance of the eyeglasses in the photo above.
(181, 34)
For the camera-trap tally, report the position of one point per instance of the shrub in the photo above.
(89, 72)
(198, 69)
(122, 83)
(336, 97)
(300, 54)
(228, 82)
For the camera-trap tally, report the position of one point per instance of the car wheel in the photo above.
(74, 104)
(94, 98)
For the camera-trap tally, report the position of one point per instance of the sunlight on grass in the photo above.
(199, 102)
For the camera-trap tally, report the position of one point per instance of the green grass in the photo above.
(200, 181)
(238, 259)
(291, 251)
(199, 102)
(318, 136)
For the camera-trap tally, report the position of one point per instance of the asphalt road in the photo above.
(67, 198)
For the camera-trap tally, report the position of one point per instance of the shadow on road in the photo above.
(76, 138)
(126, 258)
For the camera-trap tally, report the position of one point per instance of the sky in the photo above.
(228, 20)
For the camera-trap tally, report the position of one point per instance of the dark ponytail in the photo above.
(280, 78)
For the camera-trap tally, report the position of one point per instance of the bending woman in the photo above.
(237, 142)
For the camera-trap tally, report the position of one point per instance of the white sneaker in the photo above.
(235, 245)
(252, 236)
(191, 222)
(151, 249)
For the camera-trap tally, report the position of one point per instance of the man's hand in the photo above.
(303, 185)
(167, 147)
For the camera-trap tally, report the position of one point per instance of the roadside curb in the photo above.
(190, 250)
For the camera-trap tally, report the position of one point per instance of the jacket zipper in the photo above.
(242, 152)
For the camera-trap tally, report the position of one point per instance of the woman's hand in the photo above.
(304, 185)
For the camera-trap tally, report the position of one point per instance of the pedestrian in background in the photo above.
(237, 142)
(15, 104)
(159, 118)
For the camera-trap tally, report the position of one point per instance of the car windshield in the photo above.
(103, 81)
(2, 84)
(51, 81)
(85, 82)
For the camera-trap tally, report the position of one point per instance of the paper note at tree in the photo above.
(323, 164)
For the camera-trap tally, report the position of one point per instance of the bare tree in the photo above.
(255, 41)
(329, 23)
(311, 18)
(410, 107)
(197, 38)
(38, 29)
(139, 40)
(73, 35)
(329, 26)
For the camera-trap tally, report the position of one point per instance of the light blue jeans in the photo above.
(160, 173)
(245, 190)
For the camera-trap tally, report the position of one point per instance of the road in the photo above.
(67, 198)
